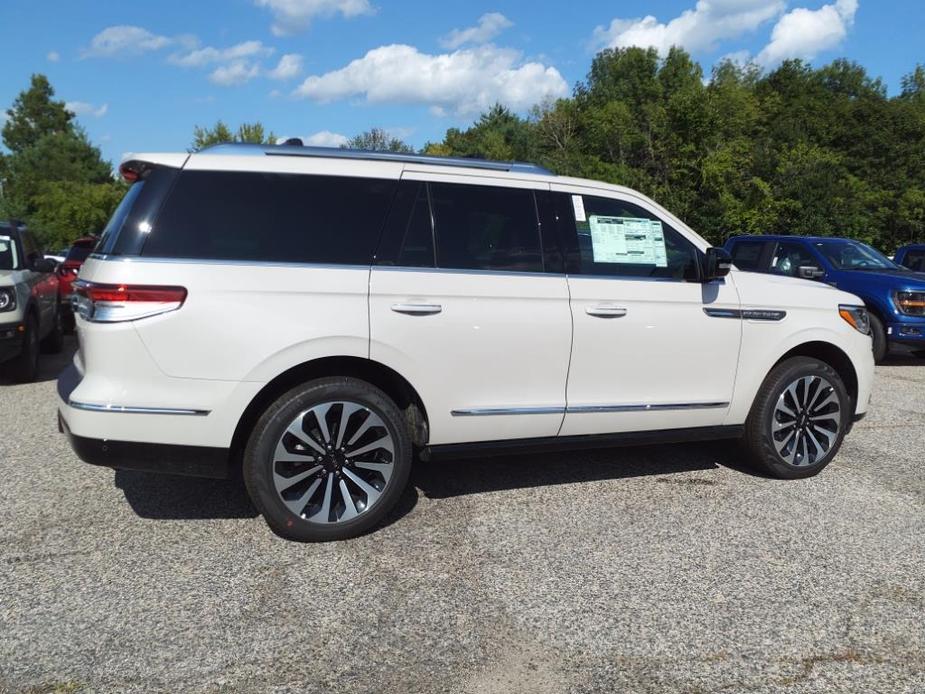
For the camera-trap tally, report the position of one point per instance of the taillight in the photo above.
(115, 303)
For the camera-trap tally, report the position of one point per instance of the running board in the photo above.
(570, 443)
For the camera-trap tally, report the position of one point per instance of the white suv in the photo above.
(311, 317)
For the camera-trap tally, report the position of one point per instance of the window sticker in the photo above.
(578, 203)
(628, 240)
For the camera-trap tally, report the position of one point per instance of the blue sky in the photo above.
(141, 75)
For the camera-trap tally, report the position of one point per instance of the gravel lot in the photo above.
(648, 569)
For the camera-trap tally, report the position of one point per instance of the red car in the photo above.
(68, 270)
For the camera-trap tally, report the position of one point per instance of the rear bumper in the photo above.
(188, 461)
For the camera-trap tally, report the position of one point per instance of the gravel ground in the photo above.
(655, 569)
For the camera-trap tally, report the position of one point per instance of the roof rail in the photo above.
(292, 150)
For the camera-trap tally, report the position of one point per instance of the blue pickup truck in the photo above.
(912, 256)
(894, 295)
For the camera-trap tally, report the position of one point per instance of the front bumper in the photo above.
(11, 335)
(907, 333)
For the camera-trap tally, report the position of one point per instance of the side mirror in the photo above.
(810, 272)
(717, 264)
(44, 265)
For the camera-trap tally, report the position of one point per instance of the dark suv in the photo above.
(894, 295)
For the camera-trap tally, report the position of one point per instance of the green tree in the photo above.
(220, 133)
(378, 140)
(54, 178)
(33, 115)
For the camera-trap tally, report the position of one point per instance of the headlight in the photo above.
(856, 317)
(7, 299)
(910, 303)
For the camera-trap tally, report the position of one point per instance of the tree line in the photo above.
(796, 150)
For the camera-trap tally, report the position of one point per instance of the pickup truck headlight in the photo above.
(7, 299)
(857, 317)
(910, 303)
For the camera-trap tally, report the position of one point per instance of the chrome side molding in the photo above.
(124, 409)
(588, 409)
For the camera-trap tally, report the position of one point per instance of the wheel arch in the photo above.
(383, 377)
(832, 355)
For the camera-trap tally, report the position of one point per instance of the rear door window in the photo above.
(915, 260)
(486, 228)
(270, 217)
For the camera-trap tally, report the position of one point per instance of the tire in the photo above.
(776, 446)
(878, 334)
(54, 341)
(329, 435)
(24, 368)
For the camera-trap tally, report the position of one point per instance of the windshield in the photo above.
(854, 255)
(7, 253)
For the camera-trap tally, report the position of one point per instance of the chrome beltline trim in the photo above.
(587, 409)
(489, 411)
(123, 409)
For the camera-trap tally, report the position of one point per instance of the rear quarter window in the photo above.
(271, 217)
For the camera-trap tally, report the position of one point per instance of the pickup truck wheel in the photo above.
(328, 460)
(23, 369)
(54, 341)
(798, 420)
(878, 334)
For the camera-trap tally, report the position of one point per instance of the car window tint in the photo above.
(486, 228)
(417, 245)
(7, 253)
(915, 260)
(747, 255)
(230, 215)
(618, 238)
(789, 257)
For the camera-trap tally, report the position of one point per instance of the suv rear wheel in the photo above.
(799, 419)
(328, 460)
(54, 341)
(878, 335)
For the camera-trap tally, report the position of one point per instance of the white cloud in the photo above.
(325, 138)
(698, 29)
(293, 16)
(124, 40)
(82, 108)
(53, 56)
(290, 65)
(803, 33)
(489, 26)
(205, 56)
(465, 81)
(234, 73)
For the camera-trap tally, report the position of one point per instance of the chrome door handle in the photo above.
(417, 309)
(606, 311)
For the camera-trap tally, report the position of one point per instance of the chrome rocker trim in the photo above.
(124, 409)
(587, 409)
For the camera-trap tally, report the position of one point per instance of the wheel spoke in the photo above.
(829, 435)
(385, 443)
(832, 398)
(385, 469)
(295, 429)
(347, 411)
(321, 414)
(371, 492)
(324, 513)
(284, 483)
(350, 509)
(297, 506)
(820, 451)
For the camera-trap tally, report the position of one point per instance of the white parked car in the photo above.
(312, 317)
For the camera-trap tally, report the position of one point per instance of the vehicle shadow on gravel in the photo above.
(449, 478)
(163, 497)
(50, 365)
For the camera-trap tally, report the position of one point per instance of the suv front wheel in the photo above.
(799, 419)
(328, 460)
